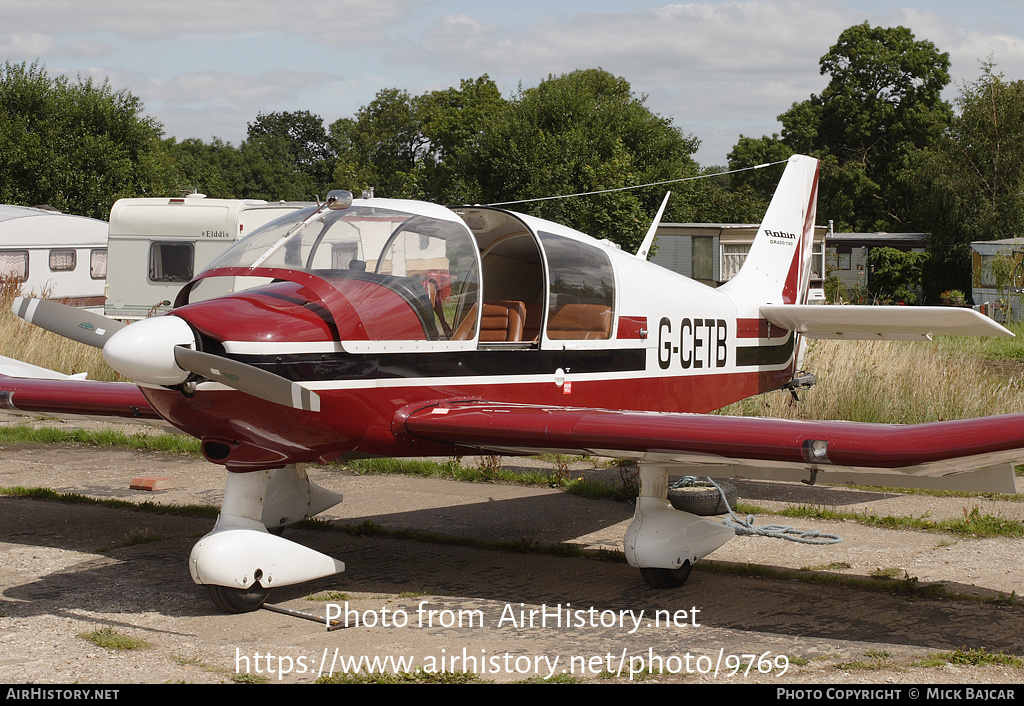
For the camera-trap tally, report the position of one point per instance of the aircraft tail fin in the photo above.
(778, 266)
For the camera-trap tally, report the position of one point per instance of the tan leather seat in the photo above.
(581, 322)
(502, 322)
(534, 315)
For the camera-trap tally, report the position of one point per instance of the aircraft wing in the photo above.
(32, 390)
(902, 453)
(906, 323)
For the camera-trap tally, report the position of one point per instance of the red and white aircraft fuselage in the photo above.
(400, 328)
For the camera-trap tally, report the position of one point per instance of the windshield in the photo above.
(432, 258)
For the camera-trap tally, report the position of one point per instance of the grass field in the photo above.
(31, 344)
(900, 382)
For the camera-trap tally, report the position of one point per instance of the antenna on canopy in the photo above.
(645, 247)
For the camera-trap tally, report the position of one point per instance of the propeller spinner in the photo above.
(161, 351)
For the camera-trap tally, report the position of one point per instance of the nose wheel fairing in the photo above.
(241, 557)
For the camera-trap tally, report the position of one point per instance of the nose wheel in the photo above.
(667, 578)
(238, 600)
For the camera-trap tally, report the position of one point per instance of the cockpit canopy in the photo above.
(534, 284)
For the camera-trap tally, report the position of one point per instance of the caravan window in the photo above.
(62, 260)
(702, 264)
(98, 263)
(733, 257)
(14, 264)
(171, 262)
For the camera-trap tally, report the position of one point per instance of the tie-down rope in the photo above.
(746, 527)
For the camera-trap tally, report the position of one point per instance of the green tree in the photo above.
(717, 198)
(581, 132)
(750, 152)
(286, 156)
(881, 104)
(381, 147)
(75, 145)
(453, 122)
(969, 185)
(417, 146)
(267, 170)
(305, 139)
(896, 275)
(211, 168)
(745, 195)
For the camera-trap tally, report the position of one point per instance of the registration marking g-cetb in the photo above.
(694, 343)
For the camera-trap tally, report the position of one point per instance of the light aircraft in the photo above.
(375, 327)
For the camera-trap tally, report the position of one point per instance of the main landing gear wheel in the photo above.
(667, 578)
(238, 600)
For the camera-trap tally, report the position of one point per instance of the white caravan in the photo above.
(54, 255)
(158, 244)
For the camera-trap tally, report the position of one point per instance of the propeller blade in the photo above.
(95, 330)
(68, 321)
(247, 378)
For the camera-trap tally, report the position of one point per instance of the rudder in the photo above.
(777, 268)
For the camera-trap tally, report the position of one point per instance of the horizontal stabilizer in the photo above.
(12, 367)
(897, 323)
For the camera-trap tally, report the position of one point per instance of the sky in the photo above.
(717, 68)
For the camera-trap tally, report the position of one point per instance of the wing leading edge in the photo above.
(931, 450)
(86, 398)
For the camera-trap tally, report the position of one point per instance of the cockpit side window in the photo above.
(438, 258)
(581, 293)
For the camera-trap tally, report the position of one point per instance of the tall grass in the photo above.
(31, 344)
(902, 382)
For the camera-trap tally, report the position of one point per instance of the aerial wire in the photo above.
(640, 186)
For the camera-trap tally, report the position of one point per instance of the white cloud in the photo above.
(328, 21)
(969, 47)
(31, 46)
(753, 37)
(25, 46)
(713, 67)
(717, 68)
(84, 49)
(222, 87)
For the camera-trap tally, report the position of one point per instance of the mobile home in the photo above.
(712, 253)
(54, 254)
(156, 245)
(998, 274)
